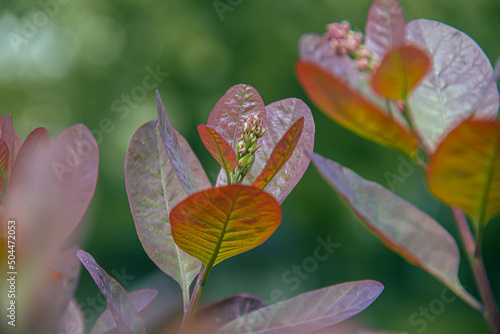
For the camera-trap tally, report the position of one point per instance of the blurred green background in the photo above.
(79, 65)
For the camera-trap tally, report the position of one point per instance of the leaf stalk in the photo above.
(475, 257)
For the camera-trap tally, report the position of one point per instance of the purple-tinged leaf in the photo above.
(75, 164)
(281, 115)
(218, 314)
(317, 49)
(174, 150)
(233, 109)
(71, 321)
(153, 189)
(142, 299)
(450, 92)
(402, 227)
(309, 312)
(121, 307)
(385, 27)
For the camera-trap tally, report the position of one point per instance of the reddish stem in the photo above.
(475, 257)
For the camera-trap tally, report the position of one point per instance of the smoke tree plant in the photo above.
(429, 91)
(187, 226)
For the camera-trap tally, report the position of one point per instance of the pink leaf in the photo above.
(385, 27)
(174, 151)
(233, 109)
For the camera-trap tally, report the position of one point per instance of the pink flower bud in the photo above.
(350, 44)
(345, 26)
(362, 63)
(358, 37)
(341, 50)
(336, 31)
(364, 52)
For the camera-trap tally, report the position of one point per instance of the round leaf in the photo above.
(465, 169)
(218, 223)
(400, 71)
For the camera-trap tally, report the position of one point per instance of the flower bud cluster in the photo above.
(247, 146)
(348, 42)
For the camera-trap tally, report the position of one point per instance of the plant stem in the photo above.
(195, 298)
(407, 115)
(474, 255)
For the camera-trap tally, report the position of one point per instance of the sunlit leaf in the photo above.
(281, 153)
(174, 151)
(465, 169)
(400, 71)
(218, 314)
(404, 228)
(215, 224)
(141, 299)
(153, 189)
(218, 147)
(121, 307)
(352, 110)
(309, 312)
(450, 92)
(385, 27)
(233, 109)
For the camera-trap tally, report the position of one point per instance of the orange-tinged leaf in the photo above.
(52, 275)
(218, 147)
(281, 153)
(218, 223)
(465, 169)
(400, 71)
(352, 110)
